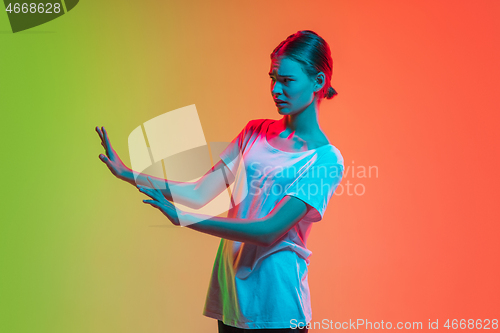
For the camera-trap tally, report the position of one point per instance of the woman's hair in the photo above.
(313, 52)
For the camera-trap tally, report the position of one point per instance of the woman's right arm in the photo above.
(192, 194)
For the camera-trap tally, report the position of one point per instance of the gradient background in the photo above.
(418, 98)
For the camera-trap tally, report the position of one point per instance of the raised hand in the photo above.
(166, 207)
(111, 159)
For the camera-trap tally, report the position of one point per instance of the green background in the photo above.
(72, 255)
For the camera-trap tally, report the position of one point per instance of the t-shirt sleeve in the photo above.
(317, 184)
(233, 153)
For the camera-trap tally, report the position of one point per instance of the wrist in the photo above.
(126, 175)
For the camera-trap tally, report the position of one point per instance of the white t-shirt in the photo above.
(257, 287)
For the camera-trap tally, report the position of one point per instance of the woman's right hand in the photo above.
(112, 160)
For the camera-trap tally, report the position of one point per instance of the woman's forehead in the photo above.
(285, 66)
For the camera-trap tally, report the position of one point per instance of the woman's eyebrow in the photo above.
(271, 74)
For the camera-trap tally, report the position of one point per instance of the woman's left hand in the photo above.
(166, 207)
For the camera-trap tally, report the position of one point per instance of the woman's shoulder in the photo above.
(331, 155)
(258, 122)
(257, 125)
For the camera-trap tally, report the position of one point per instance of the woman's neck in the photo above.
(303, 124)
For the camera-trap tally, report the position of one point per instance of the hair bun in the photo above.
(331, 92)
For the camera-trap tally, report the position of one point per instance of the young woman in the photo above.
(259, 280)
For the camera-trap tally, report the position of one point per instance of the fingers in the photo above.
(165, 209)
(106, 138)
(150, 193)
(152, 203)
(97, 129)
(103, 142)
(103, 158)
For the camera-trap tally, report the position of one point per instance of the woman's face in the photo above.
(291, 85)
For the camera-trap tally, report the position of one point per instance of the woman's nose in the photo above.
(276, 88)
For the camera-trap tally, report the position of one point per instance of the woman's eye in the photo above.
(284, 80)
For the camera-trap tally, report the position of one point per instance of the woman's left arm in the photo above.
(261, 231)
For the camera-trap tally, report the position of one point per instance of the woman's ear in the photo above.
(319, 82)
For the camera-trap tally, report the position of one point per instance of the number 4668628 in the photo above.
(484, 324)
(33, 8)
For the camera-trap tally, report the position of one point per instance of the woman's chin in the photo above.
(284, 111)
